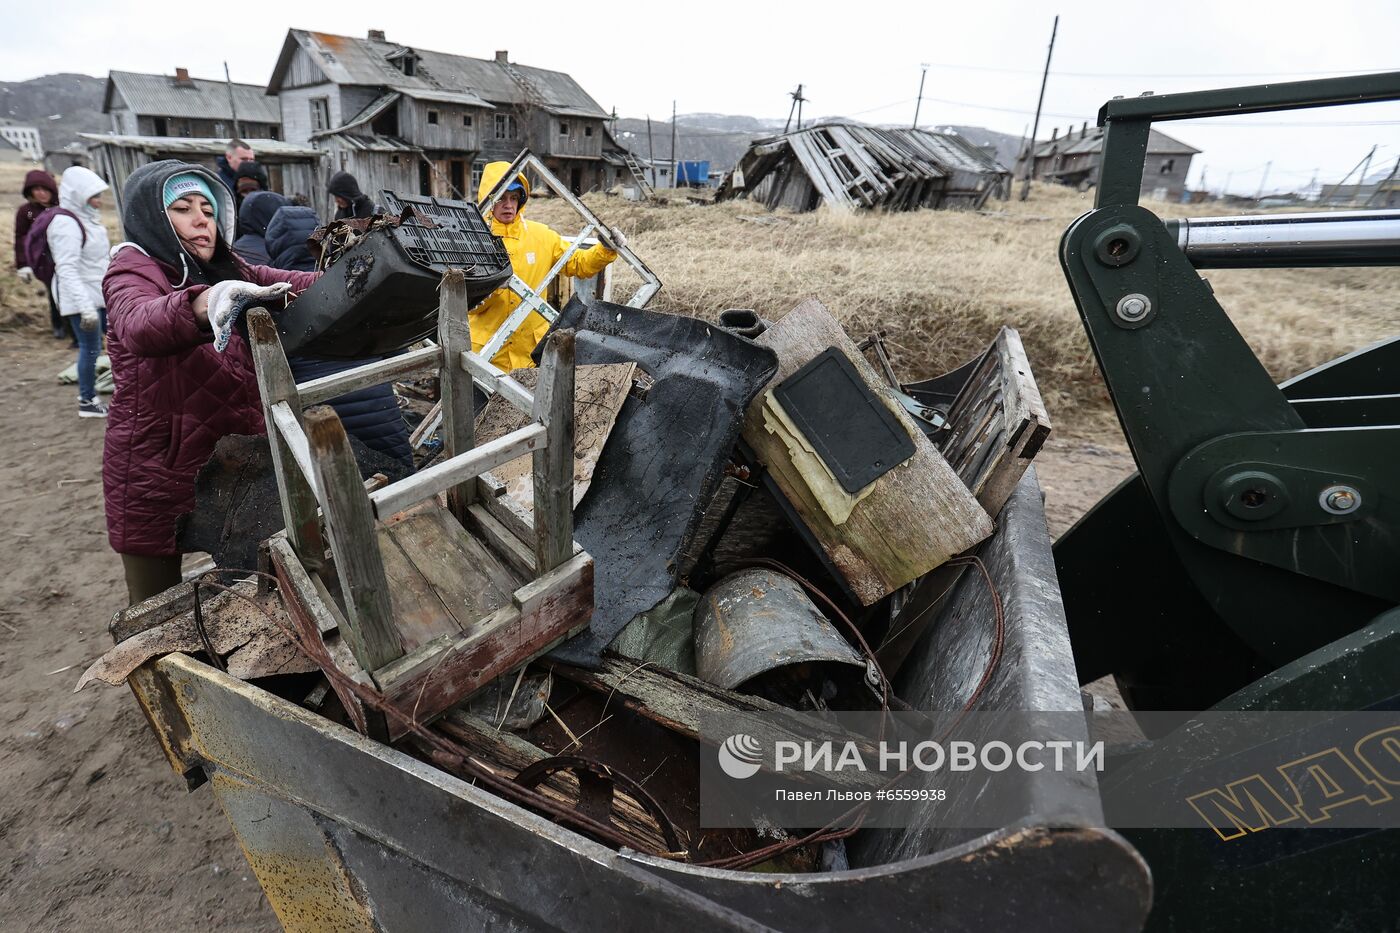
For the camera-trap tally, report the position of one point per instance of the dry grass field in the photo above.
(940, 283)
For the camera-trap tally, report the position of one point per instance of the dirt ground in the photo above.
(95, 826)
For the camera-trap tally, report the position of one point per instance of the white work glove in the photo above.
(87, 321)
(229, 299)
(26, 275)
(618, 240)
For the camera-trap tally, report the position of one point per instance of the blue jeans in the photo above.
(89, 349)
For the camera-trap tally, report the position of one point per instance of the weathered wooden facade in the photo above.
(1073, 159)
(850, 165)
(178, 105)
(292, 169)
(415, 120)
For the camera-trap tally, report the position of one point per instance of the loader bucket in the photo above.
(362, 836)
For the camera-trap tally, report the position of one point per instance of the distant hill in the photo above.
(61, 106)
(716, 137)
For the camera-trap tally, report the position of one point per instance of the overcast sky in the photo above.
(858, 59)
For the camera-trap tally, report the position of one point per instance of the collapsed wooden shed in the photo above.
(292, 169)
(851, 165)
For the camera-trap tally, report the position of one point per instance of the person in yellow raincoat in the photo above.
(534, 248)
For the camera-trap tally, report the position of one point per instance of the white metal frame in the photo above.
(532, 300)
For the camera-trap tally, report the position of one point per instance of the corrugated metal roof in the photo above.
(365, 62)
(265, 149)
(1158, 143)
(201, 99)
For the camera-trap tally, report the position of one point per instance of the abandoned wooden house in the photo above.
(852, 165)
(415, 120)
(1073, 159)
(178, 105)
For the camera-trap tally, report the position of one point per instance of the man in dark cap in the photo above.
(250, 177)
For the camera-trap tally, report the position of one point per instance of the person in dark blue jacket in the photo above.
(287, 235)
(254, 215)
(276, 231)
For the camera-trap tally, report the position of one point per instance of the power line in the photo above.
(1150, 74)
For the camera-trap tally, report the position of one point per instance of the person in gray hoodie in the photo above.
(79, 246)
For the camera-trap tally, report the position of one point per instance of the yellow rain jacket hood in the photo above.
(534, 248)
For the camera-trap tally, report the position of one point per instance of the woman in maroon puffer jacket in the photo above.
(176, 394)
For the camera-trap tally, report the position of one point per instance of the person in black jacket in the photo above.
(250, 178)
(279, 229)
(254, 215)
(349, 201)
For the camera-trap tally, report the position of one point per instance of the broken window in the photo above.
(1167, 166)
(563, 128)
(320, 114)
(505, 126)
(432, 118)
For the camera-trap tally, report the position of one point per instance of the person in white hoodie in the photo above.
(79, 246)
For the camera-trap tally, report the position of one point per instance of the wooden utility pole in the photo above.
(919, 101)
(1040, 101)
(797, 100)
(1382, 186)
(1361, 178)
(673, 144)
(233, 107)
(651, 153)
(1263, 180)
(1337, 189)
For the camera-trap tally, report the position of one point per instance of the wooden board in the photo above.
(599, 392)
(997, 424)
(451, 667)
(913, 519)
(468, 579)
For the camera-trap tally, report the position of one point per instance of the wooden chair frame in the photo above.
(325, 504)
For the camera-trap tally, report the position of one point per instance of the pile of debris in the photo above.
(667, 520)
(735, 493)
(850, 165)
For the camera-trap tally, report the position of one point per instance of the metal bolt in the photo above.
(1133, 308)
(1340, 500)
(1254, 498)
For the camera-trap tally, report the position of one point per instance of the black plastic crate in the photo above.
(381, 294)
